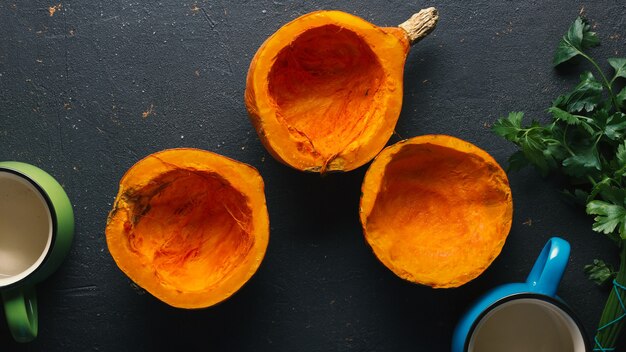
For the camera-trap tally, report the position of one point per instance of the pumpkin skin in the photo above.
(436, 210)
(324, 92)
(189, 226)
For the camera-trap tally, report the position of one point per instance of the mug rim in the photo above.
(515, 296)
(53, 216)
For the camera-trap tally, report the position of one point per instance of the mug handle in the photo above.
(20, 308)
(549, 267)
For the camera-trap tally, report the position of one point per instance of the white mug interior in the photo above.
(527, 325)
(26, 228)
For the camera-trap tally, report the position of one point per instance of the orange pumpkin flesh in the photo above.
(325, 91)
(189, 226)
(436, 210)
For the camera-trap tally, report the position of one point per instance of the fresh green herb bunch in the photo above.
(585, 141)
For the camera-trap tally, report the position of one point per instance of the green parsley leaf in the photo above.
(584, 162)
(598, 188)
(562, 115)
(610, 216)
(517, 161)
(536, 146)
(586, 95)
(559, 114)
(615, 126)
(509, 126)
(613, 194)
(607, 192)
(600, 272)
(621, 154)
(621, 99)
(620, 160)
(579, 37)
(619, 65)
(581, 195)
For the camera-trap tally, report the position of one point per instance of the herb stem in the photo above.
(597, 140)
(605, 81)
(564, 142)
(528, 131)
(618, 174)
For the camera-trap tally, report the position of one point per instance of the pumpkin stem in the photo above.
(420, 24)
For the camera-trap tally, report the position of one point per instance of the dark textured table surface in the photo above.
(89, 89)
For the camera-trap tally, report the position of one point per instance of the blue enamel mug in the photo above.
(526, 316)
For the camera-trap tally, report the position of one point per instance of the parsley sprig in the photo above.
(584, 140)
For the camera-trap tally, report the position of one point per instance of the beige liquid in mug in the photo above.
(25, 228)
(527, 325)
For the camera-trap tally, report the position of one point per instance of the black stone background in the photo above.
(73, 90)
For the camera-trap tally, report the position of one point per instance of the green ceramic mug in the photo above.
(36, 231)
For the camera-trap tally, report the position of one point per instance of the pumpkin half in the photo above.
(189, 226)
(436, 210)
(324, 92)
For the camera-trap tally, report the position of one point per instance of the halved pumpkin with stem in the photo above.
(189, 226)
(324, 92)
(436, 210)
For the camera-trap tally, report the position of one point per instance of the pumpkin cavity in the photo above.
(325, 85)
(192, 228)
(440, 215)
